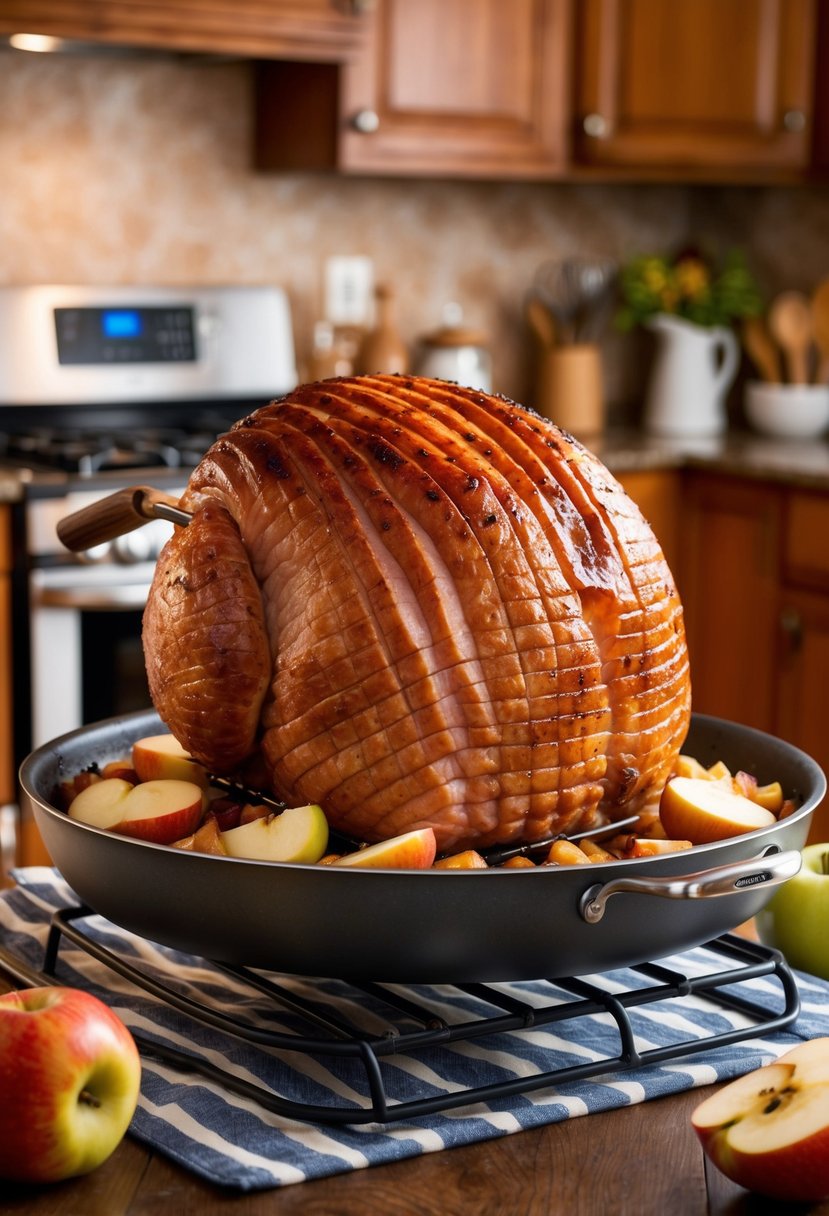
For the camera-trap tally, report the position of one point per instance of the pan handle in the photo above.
(765, 870)
(121, 512)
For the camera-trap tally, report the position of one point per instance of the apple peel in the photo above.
(768, 1131)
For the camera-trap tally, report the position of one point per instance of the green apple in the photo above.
(796, 920)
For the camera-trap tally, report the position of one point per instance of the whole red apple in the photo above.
(69, 1080)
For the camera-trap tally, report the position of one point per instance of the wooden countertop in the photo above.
(636, 1161)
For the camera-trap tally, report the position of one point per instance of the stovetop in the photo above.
(86, 453)
(54, 447)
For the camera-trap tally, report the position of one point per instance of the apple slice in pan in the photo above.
(695, 809)
(769, 1130)
(159, 811)
(413, 850)
(299, 834)
(161, 757)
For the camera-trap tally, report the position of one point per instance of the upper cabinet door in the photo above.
(685, 83)
(325, 30)
(459, 87)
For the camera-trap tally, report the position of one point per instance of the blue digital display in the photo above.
(121, 323)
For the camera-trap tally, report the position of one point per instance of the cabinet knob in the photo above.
(794, 120)
(596, 126)
(792, 626)
(366, 121)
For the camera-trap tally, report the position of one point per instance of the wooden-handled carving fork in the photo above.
(116, 514)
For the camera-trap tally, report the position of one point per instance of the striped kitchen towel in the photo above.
(224, 1134)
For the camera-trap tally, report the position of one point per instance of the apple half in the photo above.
(160, 811)
(769, 1130)
(699, 810)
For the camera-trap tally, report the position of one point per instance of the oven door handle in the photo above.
(118, 513)
(124, 598)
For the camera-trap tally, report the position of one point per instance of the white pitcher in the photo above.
(692, 372)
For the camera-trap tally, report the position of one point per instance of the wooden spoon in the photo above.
(541, 322)
(790, 323)
(820, 326)
(761, 349)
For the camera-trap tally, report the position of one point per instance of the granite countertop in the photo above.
(792, 462)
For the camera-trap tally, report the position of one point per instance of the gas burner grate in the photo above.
(414, 1026)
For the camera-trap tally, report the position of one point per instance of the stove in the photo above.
(100, 389)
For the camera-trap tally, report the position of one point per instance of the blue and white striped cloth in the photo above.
(232, 1141)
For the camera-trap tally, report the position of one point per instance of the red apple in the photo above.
(413, 850)
(69, 1078)
(769, 1130)
(161, 757)
(161, 811)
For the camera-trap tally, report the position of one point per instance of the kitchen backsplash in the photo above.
(131, 170)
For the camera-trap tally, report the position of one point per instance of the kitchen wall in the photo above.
(131, 170)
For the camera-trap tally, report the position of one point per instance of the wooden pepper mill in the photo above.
(382, 349)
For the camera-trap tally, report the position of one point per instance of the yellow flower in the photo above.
(692, 278)
(654, 275)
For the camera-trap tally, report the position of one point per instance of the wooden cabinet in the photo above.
(444, 87)
(7, 773)
(686, 89)
(300, 29)
(535, 89)
(729, 575)
(695, 84)
(754, 576)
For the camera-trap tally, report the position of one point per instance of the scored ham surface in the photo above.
(420, 604)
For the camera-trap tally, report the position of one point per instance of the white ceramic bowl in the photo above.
(788, 411)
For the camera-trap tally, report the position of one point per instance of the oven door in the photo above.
(86, 659)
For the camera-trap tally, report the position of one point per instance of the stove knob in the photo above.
(98, 553)
(133, 547)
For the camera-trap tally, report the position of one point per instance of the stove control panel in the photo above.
(88, 346)
(125, 335)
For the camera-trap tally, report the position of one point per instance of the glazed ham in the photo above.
(419, 604)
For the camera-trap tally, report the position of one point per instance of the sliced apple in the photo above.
(699, 810)
(299, 834)
(121, 768)
(207, 838)
(469, 859)
(413, 850)
(101, 804)
(161, 757)
(161, 811)
(769, 1130)
(653, 847)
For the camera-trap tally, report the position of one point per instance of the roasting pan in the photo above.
(429, 926)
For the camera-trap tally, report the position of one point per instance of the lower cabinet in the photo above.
(754, 576)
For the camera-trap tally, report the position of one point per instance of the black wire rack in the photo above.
(412, 1026)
